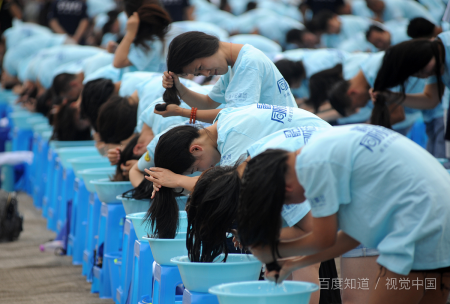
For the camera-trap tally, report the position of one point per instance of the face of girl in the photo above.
(206, 158)
(207, 66)
(295, 193)
(427, 70)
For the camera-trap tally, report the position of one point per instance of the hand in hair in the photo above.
(287, 267)
(133, 24)
(114, 156)
(169, 79)
(170, 110)
(162, 177)
(263, 253)
(127, 166)
(111, 47)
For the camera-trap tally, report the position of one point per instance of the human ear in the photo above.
(195, 148)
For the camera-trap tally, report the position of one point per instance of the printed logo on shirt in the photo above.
(69, 7)
(279, 113)
(147, 157)
(237, 96)
(318, 201)
(306, 131)
(282, 85)
(225, 158)
(375, 137)
(263, 106)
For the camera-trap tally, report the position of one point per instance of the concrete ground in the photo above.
(29, 276)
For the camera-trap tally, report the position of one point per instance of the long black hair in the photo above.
(261, 199)
(153, 22)
(320, 85)
(172, 153)
(125, 155)
(95, 93)
(291, 70)
(211, 210)
(183, 50)
(67, 126)
(399, 63)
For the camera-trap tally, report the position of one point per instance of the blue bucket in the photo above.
(75, 152)
(132, 205)
(107, 190)
(164, 250)
(200, 277)
(56, 144)
(96, 173)
(142, 230)
(264, 292)
(89, 162)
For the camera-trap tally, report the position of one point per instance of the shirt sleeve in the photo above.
(218, 91)
(292, 214)
(146, 161)
(431, 79)
(53, 13)
(142, 58)
(234, 148)
(327, 185)
(84, 14)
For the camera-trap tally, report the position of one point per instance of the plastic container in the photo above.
(89, 162)
(107, 190)
(200, 277)
(132, 205)
(20, 119)
(94, 174)
(114, 261)
(164, 250)
(41, 128)
(264, 292)
(142, 229)
(75, 152)
(56, 144)
(443, 160)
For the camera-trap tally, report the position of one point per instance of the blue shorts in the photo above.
(360, 251)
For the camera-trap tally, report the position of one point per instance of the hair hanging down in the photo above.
(68, 127)
(292, 71)
(153, 22)
(95, 93)
(131, 6)
(172, 153)
(399, 63)
(261, 199)
(420, 28)
(212, 209)
(338, 97)
(320, 85)
(61, 83)
(183, 50)
(126, 155)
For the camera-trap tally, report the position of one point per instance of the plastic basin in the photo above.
(443, 160)
(107, 190)
(46, 135)
(20, 119)
(94, 174)
(165, 249)
(36, 120)
(56, 144)
(89, 162)
(200, 277)
(132, 205)
(142, 229)
(41, 128)
(75, 152)
(264, 292)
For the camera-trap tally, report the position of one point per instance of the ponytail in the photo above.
(212, 209)
(153, 21)
(261, 199)
(320, 85)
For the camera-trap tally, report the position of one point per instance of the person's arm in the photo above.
(14, 9)
(81, 30)
(189, 13)
(298, 230)
(123, 49)
(56, 27)
(320, 238)
(343, 244)
(201, 115)
(136, 176)
(193, 99)
(164, 177)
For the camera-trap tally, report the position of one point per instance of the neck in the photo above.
(80, 77)
(231, 51)
(210, 135)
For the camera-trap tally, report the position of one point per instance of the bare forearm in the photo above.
(197, 100)
(202, 115)
(81, 29)
(121, 54)
(56, 27)
(187, 182)
(136, 176)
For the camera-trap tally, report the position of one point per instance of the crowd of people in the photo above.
(281, 125)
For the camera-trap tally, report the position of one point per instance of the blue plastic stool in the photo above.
(40, 161)
(78, 222)
(165, 281)
(47, 199)
(110, 232)
(55, 196)
(114, 261)
(129, 238)
(8, 173)
(93, 216)
(22, 139)
(192, 297)
(67, 193)
(145, 300)
(142, 271)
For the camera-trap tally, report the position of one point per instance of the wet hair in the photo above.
(212, 210)
(320, 85)
(44, 102)
(125, 155)
(66, 125)
(291, 70)
(131, 6)
(373, 28)
(399, 63)
(61, 83)
(338, 97)
(261, 199)
(172, 153)
(320, 20)
(183, 50)
(420, 28)
(95, 93)
(116, 120)
(153, 22)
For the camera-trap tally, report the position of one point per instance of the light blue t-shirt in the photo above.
(388, 193)
(239, 128)
(180, 27)
(246, 22)
(398, 30)
(275, 27)
(269, 47)
(397, 9)
(94, 63)
(108, 72)
(16, 34)
(350, 26)
(359, 8)
(148, 60)
(130, 81)
(29, 46)
(252, 79)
